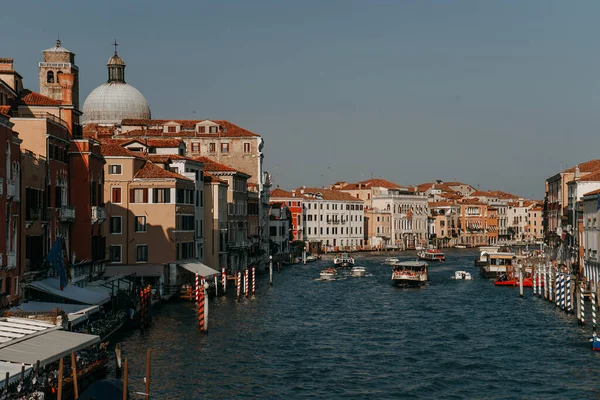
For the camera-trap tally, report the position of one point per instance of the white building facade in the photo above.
(409, 214)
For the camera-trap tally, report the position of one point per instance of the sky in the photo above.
(500, 95)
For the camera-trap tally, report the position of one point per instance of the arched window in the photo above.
(50, 77)
(58, 76)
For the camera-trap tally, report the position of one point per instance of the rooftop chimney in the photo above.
(577, 172)
(6, 64)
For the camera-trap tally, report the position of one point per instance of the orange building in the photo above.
(473, 223)
(294, 202)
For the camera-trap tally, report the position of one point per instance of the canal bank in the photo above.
(364, 338)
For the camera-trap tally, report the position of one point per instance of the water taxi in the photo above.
(358, 271)
(343, 260)
(505, 280)
(431, 255)
(391, 261)
(462, 275)
(460, 246)
(328, 273)
(312, 258)
(483, 252)
(410, 273)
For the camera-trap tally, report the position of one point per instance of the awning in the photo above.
(46, 347)
(70, 292)
(199, 268)
(76, 312)
(14, 371)
(140, 270)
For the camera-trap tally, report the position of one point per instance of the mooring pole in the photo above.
(271, 270)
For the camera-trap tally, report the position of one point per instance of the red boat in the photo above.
(504, 281)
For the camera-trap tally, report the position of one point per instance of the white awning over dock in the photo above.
(14, 371)
(70, 292)
(198, 268)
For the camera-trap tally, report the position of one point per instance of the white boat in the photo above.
(460, 246)
(431, 255)
(483, 252)
(410, 273)
(343, 260)
(328, 273)
(358, 271)
(391, 261)
(311, 258)
(464, 275)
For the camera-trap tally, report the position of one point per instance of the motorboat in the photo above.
(358, 271)
(343, 260)
(391, 261)
(410, 273)
(328, 273)
(431, 255)
(505, 280)
(460, 246)
(311, 258)
(462, 275)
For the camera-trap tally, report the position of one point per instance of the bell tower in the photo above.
(58, 60)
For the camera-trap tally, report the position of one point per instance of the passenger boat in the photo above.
(358, 271)
(497, 264)
(328, 273)
(462, 275)
(410, 273)
(431, 255)
(483, 252)
(391, 261)
(343, 260)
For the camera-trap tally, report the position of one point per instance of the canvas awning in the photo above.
(47, 347)
(14, 372)
(199, 268)
(76, 312)
(140, 270)
(70, 292)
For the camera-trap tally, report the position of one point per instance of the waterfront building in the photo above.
(473, 223)
(535, 229)
(591, 236)
(333, 218)
(518, 219)
(151, 212)
(443, 223)
(279, 230)
(295, 205)
(215, 221)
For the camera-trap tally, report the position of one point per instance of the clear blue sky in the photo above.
(502, 94)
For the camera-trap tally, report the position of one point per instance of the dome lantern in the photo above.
(116, 67)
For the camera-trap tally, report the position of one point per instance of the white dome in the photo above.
(112, 102)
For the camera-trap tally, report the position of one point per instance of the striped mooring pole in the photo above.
(239, 284)
(556, 289)
(562, 290)
(545, 282)
(201, 305)
(581, 296)
(569, 294)
(224, 280)
(246, 282)
(540, 281)
(253, 280)
(550, 284)
(534, 285)
(197, 289)
(594, 334)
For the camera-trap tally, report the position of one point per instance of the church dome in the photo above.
(56, 49)
(112, 102)
(115, 100)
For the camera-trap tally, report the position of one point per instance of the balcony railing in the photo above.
(11, 189)
(66, 214)
(237, 244)
(98, 214)
(11, 259)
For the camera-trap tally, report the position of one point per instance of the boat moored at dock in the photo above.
(483, 252)
(497, 264)
(410, 273)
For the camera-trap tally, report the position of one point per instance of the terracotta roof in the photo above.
(474, 201)
(423, 187)
(503, 195)
(229, 129)
(157, 158)
(376, 182)
(440, 204)
(588, 166)
(457, 184)
(213, 178)
(328, 194)
(164, 143)
(211, 165)
(5, 110)
(276, 193)
(449, 195)
(153, 171)
(480, 193)
(591, 177)
(537, 208)
(597, 191)
(36, 99)
(114, 150)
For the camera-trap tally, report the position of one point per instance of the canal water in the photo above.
(363, 338)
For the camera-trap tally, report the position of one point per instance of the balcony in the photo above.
(11, 260)
(66, 214)
(11, 189)
(98, 214)
(238, 244)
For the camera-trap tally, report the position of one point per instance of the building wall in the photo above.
(329, 222)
